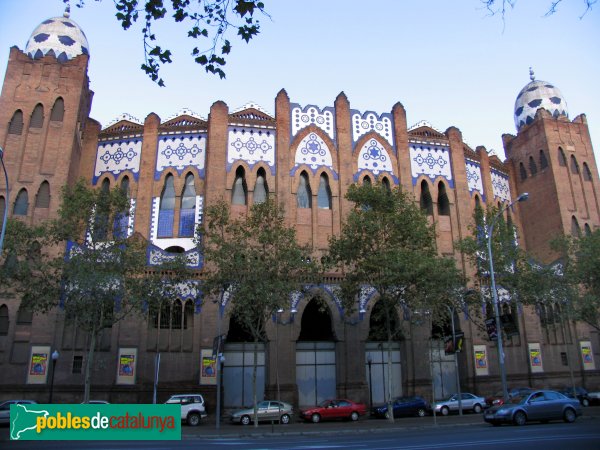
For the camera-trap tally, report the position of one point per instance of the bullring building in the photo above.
(305, 156)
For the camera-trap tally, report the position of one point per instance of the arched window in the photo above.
(24, 315)
(16, 123)
(574, 165)
(42, 199)
(177, 318)
(58, 110)
(588, 230)
(443, 203)
(543, 160)
(532, 166)
(367, 181)
(304, 194)
(21, 203)
(386, 184)
(100, 232)
(562, 159)
(261, 189)
(426, 200)
(575, 230)
(188, 315)
(324, 194)
(187, 214)
(2, 207)
(522, 171)
(239, 193)
(477, 202)
(37, 117)
(3, 320)
(166, 211)
(587, 174)
(120, 229)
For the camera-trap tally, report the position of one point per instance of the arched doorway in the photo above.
(442, 363)
(315, 355)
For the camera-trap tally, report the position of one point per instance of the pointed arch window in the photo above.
(522, 171)
(3, 320)
(562, 159)
(324, 194)
(261, 188)
(575, 230)
(367, 181)
(58, 110)
(443, 203)
(532, 166)
(477, 202)
(304, 194)
(543, 160)
(166, 211)
(426, 201)
(16, 123)
(587, 229)
(42, 199)
(386, 184)
(574, 165)
(188, 315)
(37, 117)
(100, 232)
(2, 207)
(177, 315)
(21, 203)
(239, 193)
(187, 214)
(587, 173)
(121, 226)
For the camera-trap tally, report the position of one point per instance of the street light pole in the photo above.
(55, 356)
(4, 219)
(370, 362)
(490, 230)
(460, 408)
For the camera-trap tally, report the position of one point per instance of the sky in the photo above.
(447, 61)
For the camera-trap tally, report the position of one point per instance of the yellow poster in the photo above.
(126, 365)
(535, 357)
(208, 368)
(587, 355)
(481, 362)
(39, 364)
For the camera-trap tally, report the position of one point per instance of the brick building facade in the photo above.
(305, 156)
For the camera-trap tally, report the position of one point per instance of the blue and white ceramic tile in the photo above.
(474, 180)
(312, 115)
(116, 157)
(252, 145)
(369, 121)
(430, 160)
(500, 185)
(180, 152)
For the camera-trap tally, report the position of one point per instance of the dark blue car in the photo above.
(404, 406)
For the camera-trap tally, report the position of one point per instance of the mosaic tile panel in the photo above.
(314, 152)
(252, 146)
(374, 157)
(180, 152)
(312, 115)
(474, 180)
(500, 186)
(430, 160)
(369, 121)
(116, 157)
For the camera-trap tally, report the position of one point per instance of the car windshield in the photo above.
(517, 399)
(325, 403)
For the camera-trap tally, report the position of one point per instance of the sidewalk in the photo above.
(207, 429)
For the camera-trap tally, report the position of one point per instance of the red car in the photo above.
(334, 409)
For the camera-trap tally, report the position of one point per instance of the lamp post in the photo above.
(55, 356)
(369, 363)
(490, 230)
(5, 202)
(460, 408)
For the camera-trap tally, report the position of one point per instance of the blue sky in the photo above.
(446, 61)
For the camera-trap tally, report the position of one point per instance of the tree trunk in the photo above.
(88, 367)
(389, 370)
(254, 370)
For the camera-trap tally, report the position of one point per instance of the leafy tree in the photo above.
(501, 6)
(205, 20)
(256, 261)
(102, 279)
(387, 243)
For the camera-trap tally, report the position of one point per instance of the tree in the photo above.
(387, 243)
(501, 6)
(257, 262)
(103, 277)
(206, 20)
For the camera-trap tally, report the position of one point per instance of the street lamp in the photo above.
(490, 230)
(370, 362)
(4, 219)
(451, 311)
(55, 356)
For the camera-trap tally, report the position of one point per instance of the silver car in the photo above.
(5, 408)
(540, 406)
(469, 402)
(267, 410)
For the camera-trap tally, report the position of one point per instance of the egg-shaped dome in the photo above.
(60, 35)
(538, 94)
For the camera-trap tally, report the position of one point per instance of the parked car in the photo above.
(540, 406)
(192, 407)
(5, 408)
(580, 394)
(594, 397)
(334, 409)
(404, 406)
(96, 402)
(498, 397)
(267, 410)
(470, 402)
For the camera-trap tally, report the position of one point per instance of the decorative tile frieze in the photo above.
(430, 160)
(375, 158)
(313, 152)
(180, 152)
(115, 157)
(474, 180)
(500, 185)
(312, 115)
(370, 121)
(251, 145)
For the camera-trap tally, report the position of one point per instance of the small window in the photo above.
(24, 316)
(588, 230)
(426, 200)
(522, 171)
(16, 123)
(261, 189)
(37, 117)
(166, 211)
(587, 174)
(42, 199)
(304, 194)
(177, 319)
(324, 194)
(386, 184)
(532, 166)
(443, 202)
(575, 230)
(562, 159)
(21, 203)
(3, 320)
(367, 181)
(77, 364)
(239, 193)
(2, 207)
(543, 160)
(121, 225)
(58, 110)
(574, 165)
(477, 202)
(564, 359)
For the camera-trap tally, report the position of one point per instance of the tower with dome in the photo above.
(306, 156)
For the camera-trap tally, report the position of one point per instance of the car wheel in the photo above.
(354, 416)
(193, 419)
(477, 408)
(569, 415)
(245, 420)
(585, 402)
(285, 419)
(520, 418)
(445, 411)
(315, 418)
(421, 412)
